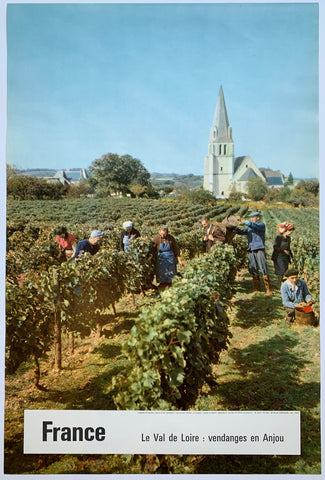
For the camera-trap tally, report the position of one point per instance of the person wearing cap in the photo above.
(89, 246)
(127, 235)
(168, 255)
(294, 293)
(282, 254)
(255, 231)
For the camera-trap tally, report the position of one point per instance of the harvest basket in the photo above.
(305, 316)
(232, 221)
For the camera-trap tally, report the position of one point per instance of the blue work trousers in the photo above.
(256, 262)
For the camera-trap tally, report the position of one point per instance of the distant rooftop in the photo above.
(65, 176)
(272, 173)
(273, 177)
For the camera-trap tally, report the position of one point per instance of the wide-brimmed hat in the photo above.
(255, 214)
(96, 233)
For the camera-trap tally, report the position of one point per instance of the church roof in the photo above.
(273, 177)
(221, 122)
(274, 181)
(249, 173)
(239, 161)
(271, 173)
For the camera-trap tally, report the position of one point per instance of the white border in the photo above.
(3, 95)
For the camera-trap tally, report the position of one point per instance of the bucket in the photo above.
(231, 221)
(305, 316)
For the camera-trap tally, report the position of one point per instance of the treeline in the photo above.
(123, 175)
(21, 187)
(112, 174)
(305, 193)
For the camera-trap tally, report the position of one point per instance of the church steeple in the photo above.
(221, 130)
(219, 164)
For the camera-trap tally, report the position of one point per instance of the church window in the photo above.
(222, 193)
(224, 149)
(221, 169)
(219, 149)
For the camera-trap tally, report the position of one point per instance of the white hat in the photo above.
(96, 233)
(127, 224)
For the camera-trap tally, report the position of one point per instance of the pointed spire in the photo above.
(221, 130)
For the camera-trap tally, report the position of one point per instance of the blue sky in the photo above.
(143, 79)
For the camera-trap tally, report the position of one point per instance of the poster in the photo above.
(84, 79)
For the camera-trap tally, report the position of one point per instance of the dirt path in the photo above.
(270, 365)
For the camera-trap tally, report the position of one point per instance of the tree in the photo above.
(137, 189)
(151, 192)
(285, 194)
(21, 187)
(198, 196)
(289, 180)
(306, 193)
(272, 195)
(309, 186)
(83, 188)
(256, 188)
(11, 171)
(166, 189)
(236, 196)
(113, 173)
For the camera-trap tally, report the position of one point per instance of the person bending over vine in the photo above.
(167, 256)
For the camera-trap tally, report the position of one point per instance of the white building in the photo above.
(224, 173)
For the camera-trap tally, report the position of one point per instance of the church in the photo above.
(224, 173)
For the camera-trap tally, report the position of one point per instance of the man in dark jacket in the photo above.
(215, 232)
(89, 246)
(255, 231)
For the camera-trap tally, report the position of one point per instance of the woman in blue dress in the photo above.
(168, 256)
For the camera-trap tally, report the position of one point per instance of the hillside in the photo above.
(175, 180)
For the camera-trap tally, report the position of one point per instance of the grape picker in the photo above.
(294, 293)
(216, 232)
(66, 240)
(255, 231)
(89, 246)
(127, 235)
(282, 254)
(168, 255)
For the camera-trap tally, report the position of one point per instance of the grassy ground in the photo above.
(270, 365)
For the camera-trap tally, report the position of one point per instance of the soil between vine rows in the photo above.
(269, 365)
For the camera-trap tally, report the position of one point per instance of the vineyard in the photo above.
(175, 348)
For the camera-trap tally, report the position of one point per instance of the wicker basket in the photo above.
(305, 316)
(232, 221)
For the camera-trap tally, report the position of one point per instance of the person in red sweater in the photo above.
(67, 241)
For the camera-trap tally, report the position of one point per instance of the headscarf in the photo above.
(127, 225)
(284, 227)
